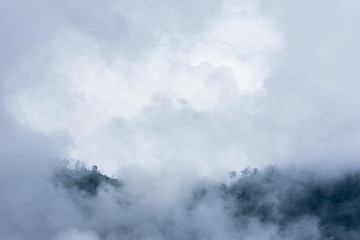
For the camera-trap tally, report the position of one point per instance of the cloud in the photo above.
(273, 203)
(170, 96)
(313, 90)
(74, 85)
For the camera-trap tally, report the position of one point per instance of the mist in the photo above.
(272, 203)
(221, 120)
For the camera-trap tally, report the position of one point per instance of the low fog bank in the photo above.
(270, 203)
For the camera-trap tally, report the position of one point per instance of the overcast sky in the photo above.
(163, 93)
(202, 86)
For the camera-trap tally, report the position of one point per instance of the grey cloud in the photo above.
(310, 112)
(273, 203)
(306, 116)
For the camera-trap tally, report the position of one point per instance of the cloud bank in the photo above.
(268, 204)
(169, 97)
(212, 66)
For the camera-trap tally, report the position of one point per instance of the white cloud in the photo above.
(79, 88)
(166, 91)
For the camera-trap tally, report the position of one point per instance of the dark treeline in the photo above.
(282, 198)
(298, 205)
(83, 180)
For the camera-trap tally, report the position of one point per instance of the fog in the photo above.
(172, 101)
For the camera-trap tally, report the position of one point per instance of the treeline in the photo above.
(82, 179)
(271, 196)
